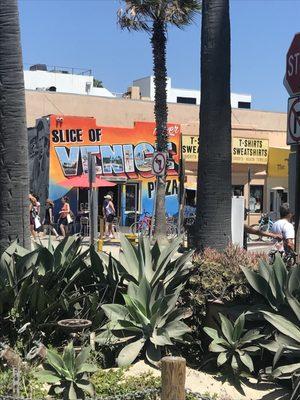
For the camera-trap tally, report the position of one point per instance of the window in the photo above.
(132, 197)
(244, 104)
(237, 190)
(187, 100)
(256, 201)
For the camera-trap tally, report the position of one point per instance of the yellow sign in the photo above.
(278, 165)
(244, 150)
(190, 148)
(250, 151)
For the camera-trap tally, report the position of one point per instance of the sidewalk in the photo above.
(109, 246)
(259, 247)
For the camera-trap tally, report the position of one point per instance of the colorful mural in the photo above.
(123, 155)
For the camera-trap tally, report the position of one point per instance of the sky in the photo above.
(85, 34)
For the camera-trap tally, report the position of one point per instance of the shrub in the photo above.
(218, 276)
(114, 382)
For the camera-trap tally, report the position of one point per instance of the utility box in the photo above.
(237, 220)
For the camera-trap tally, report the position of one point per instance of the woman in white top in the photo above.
(109, 213)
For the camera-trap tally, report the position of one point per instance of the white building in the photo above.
(64, 81)
(187, 96)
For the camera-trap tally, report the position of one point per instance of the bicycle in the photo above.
(265, 224)
(288, 257)
(144, 225)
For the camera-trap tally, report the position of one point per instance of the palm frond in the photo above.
(140, 14)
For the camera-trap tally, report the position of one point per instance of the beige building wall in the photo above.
(123, 112)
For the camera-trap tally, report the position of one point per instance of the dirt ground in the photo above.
(207, 384)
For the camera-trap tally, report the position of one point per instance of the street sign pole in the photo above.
(292, 85)
(93, 200)
(297, 204)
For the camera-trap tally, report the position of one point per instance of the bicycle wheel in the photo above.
(252, 236)
(139, 228)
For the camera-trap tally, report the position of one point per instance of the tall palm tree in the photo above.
(14, 217)
(154, 16)
(213, 220)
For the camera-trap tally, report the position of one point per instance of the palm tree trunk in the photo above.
(213, 220)
(158, 42)
(14, 214)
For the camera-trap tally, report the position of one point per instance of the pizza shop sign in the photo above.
(244, 150)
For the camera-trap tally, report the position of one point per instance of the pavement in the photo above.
(109, 245)
(259, 247)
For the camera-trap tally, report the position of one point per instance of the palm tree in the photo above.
(213, 220)
(154, 16)
(14, 214)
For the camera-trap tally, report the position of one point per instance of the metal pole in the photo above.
(152, 225)
(93, 201)
(297, 203)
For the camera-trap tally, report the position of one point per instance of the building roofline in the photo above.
(145, 101)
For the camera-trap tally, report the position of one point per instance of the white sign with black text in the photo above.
(293, 121)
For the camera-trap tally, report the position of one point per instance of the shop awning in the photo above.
(82, 181)
(190, 185)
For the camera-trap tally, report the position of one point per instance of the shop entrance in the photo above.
(114, 191)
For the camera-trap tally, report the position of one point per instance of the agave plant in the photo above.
(233, 345)
(43, 285)
(286, 347)
(286, 343)
(68, 374)
(155, 263)
(278, 286)
(148, 320)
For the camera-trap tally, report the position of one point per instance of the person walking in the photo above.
(48, 224)
(65, 216)
(33, 215)
(109, 213)
(38, 224)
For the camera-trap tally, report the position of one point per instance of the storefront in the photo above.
(123, 156)
(277, 184)
(249, 165)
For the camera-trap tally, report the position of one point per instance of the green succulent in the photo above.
(155, 263)
(40, 287)
(233, 345)
(279, 287)
(68, 374)
(149, 320)
(286, 349)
